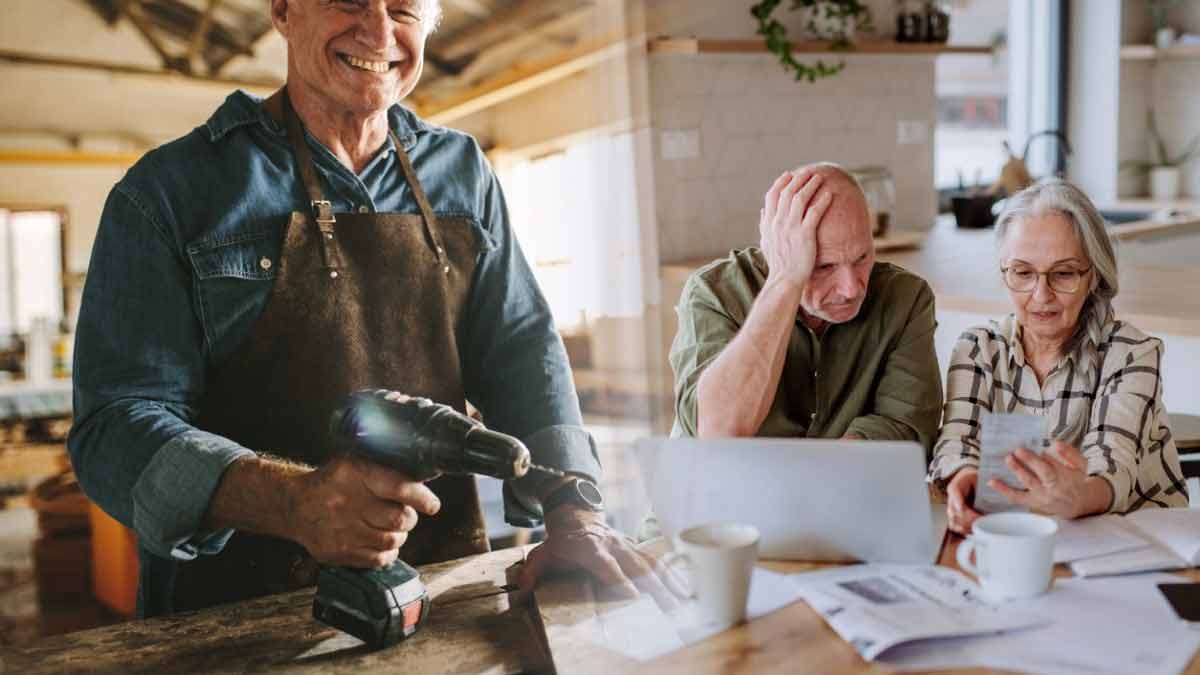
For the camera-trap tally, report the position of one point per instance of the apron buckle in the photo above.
(324, 211)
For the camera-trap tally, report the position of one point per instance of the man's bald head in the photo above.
(845, 250)
(849, 207)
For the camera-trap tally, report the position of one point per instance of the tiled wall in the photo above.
(754, 121)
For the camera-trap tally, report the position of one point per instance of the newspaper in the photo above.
(999, 436)
(877, 607)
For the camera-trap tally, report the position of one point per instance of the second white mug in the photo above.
(1014, 555)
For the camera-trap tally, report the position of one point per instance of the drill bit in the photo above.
(548, 470)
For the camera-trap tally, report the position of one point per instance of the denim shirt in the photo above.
(163, 306)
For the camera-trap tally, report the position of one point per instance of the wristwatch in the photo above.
(577, 492)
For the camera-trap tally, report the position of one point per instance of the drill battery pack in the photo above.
(380, 607)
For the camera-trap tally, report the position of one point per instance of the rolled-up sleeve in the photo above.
(968, 397)
(908, 396)
(1126, 399)
(138, 367)
(515, 368)
(705, 329)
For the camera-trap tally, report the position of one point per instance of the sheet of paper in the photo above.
(1176, 529)
(1091, 537)
(1149, 558)
(876, 607)
(1118, 625)
(1000, 435)
(642, 631)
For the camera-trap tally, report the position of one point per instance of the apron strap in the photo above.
(322, 210)
(431, 229)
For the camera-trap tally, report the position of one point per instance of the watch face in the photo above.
(590, 493)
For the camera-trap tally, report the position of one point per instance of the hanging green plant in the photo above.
(835, 19)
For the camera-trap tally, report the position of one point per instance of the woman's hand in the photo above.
(960, 493)
(1056, 483)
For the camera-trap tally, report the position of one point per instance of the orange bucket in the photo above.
(114, 562)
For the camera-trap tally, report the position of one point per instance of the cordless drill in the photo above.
(422, 440)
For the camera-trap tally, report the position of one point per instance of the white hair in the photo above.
(1057, 196)
(431, 15)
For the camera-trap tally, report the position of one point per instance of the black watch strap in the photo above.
(577, 492)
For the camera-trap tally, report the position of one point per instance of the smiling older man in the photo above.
(807, 335)
(249, 275)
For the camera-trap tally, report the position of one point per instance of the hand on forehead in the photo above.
(847, 221)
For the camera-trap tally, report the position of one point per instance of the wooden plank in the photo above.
(676, 45)
(69, 158)
(21, 58)
(523, 79)
(464, 633)
(200, 36)
(1150, 52)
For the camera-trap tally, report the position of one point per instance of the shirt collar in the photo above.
(242, 109)
(1010, 330)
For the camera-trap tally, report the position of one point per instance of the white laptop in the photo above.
(819, 500)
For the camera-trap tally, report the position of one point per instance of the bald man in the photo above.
(806, 335)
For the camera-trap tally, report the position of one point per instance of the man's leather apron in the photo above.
(359, 300)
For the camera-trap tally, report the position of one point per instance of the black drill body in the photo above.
(422, 440)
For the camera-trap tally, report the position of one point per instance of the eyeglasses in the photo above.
(1023, 278)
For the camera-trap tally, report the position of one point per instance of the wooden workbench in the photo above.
(471, 629)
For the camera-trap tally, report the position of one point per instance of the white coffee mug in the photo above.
(721, 558)
(1014, 555)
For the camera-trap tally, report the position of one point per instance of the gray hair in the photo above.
(1057, 196)
(431, 15)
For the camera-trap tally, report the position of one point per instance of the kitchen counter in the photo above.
(962, 268)
(1187, 221)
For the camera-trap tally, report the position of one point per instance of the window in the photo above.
(575, 214)
(31, 269)
(972, 99)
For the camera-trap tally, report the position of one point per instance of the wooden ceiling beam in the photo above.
(180, 19)
(513, 49)
(200, 36)
(525, 78)
(143, 26)
(219, 64)
(262, 86)
(466, 43)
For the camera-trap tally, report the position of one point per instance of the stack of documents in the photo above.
(928, 618)
(1114, 625)
(877, 607)
(1143, 541)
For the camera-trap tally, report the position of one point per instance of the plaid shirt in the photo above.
(1105, 399)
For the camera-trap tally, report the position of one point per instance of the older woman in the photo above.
(1063, 355)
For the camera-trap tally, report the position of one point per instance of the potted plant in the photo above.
(1164, 168)
(833, 20)
(1164, 35)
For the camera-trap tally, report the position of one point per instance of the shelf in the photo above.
(678, 45)
(1152, 53)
